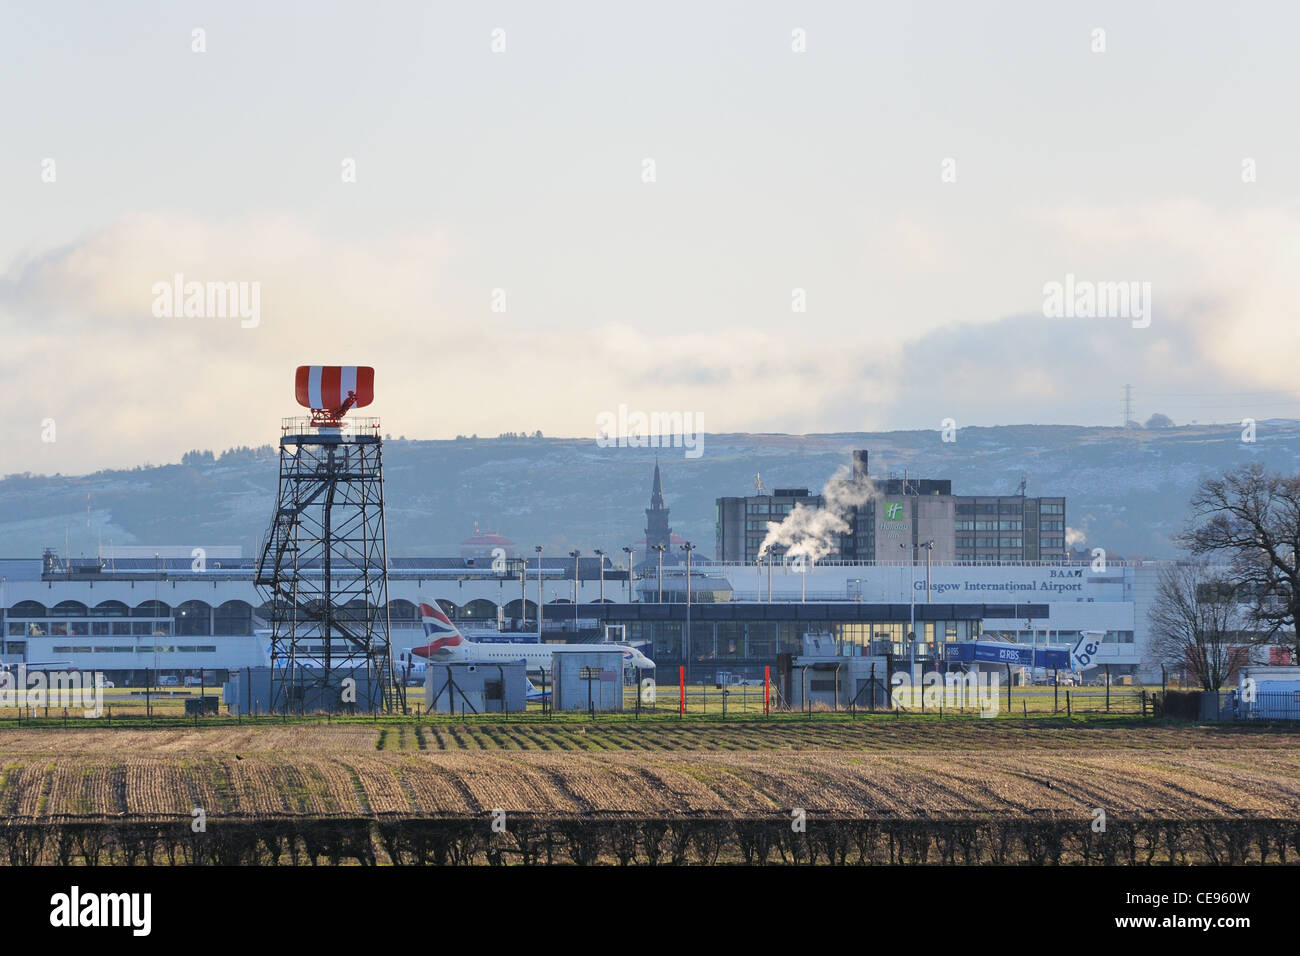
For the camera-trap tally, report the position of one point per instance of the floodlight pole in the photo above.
(575, 554)
(688, 548)
(660, 548)
(911, 618)
(538, 549)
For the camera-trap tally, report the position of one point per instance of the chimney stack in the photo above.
(859, 464)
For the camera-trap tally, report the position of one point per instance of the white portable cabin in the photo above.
(1269, 692)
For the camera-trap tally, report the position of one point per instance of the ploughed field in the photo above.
(894, 777)
(877, 768)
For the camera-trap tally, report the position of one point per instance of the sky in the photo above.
(777, 217)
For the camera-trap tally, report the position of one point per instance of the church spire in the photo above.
(657, 489)
(656, 517)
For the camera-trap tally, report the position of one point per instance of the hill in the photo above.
(1126, 489)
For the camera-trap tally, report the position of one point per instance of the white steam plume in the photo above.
(811, 532)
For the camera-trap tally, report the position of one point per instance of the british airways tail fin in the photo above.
(439, 629)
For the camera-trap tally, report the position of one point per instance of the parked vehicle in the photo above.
(192, 681)
(168, 680)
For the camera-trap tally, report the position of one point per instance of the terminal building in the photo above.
(136, 615)
(164, 616)
(902, 514)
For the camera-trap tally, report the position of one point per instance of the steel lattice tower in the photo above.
(324, 567)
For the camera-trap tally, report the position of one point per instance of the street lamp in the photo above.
(911, 617)
(538, 549)
(688, 548)
(661, 549)
(686, 646)
(601, 554)
(929, 546)
(629, 552)
(574, 554)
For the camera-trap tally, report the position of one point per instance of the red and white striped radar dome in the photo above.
(327, 386)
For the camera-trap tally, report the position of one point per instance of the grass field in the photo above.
(701, 699)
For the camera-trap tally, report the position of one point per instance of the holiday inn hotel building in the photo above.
(902, 515)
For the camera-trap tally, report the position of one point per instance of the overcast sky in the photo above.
(524, 170)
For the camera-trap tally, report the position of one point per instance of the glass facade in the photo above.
(763, 640)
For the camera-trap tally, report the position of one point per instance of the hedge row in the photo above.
(534, 840)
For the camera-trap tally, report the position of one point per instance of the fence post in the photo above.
(1068, 712)
(1108, 688)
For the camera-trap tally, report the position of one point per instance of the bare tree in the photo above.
(1252, 518)
(1198, 622)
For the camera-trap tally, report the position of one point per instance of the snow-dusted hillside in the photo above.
(1127, 489)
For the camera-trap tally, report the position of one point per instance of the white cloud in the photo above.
(126, 387)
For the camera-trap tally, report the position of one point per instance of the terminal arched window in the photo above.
(194, 619)
(234, 618)
(27, 609)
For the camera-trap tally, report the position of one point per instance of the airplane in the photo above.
(31, 666)
(448, 644)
